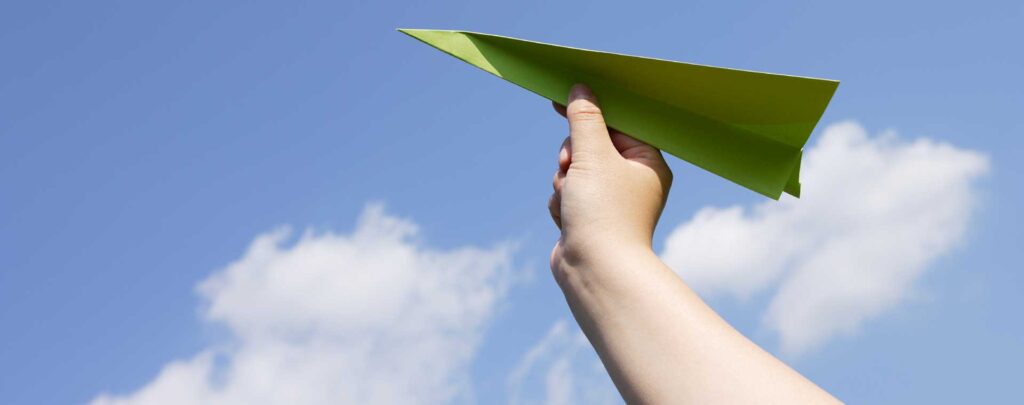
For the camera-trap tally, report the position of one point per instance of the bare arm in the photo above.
(658, 340)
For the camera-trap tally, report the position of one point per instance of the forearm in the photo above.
(662, 344)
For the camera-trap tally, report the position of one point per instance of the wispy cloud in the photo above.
(876, 212)
(561, 369)
(367, 317)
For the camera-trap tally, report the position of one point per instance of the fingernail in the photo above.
(580, 91)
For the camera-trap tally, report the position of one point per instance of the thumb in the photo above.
(587, 130)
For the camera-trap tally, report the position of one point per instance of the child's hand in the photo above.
(609, 188)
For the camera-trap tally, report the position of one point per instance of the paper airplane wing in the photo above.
(748, 127)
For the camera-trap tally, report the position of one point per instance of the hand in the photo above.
(610, 188)
(658, 340)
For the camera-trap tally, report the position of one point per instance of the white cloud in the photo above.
(367, 317)
(564, 367)
(875, 213)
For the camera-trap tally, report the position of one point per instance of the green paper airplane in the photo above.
(748, 127)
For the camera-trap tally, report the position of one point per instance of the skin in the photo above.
(658, 340)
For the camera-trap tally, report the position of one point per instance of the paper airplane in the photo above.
(748, 127)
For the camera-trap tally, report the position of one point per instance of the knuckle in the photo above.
(585, 111)
(586, 160)
(667, 178)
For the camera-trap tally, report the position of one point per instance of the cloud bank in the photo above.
(367, 317)
(374, 316)
(875, 213)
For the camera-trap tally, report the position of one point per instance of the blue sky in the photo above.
(143, 147)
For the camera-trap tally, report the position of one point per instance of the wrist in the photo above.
(596, 261)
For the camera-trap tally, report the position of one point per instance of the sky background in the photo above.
(151, 153)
